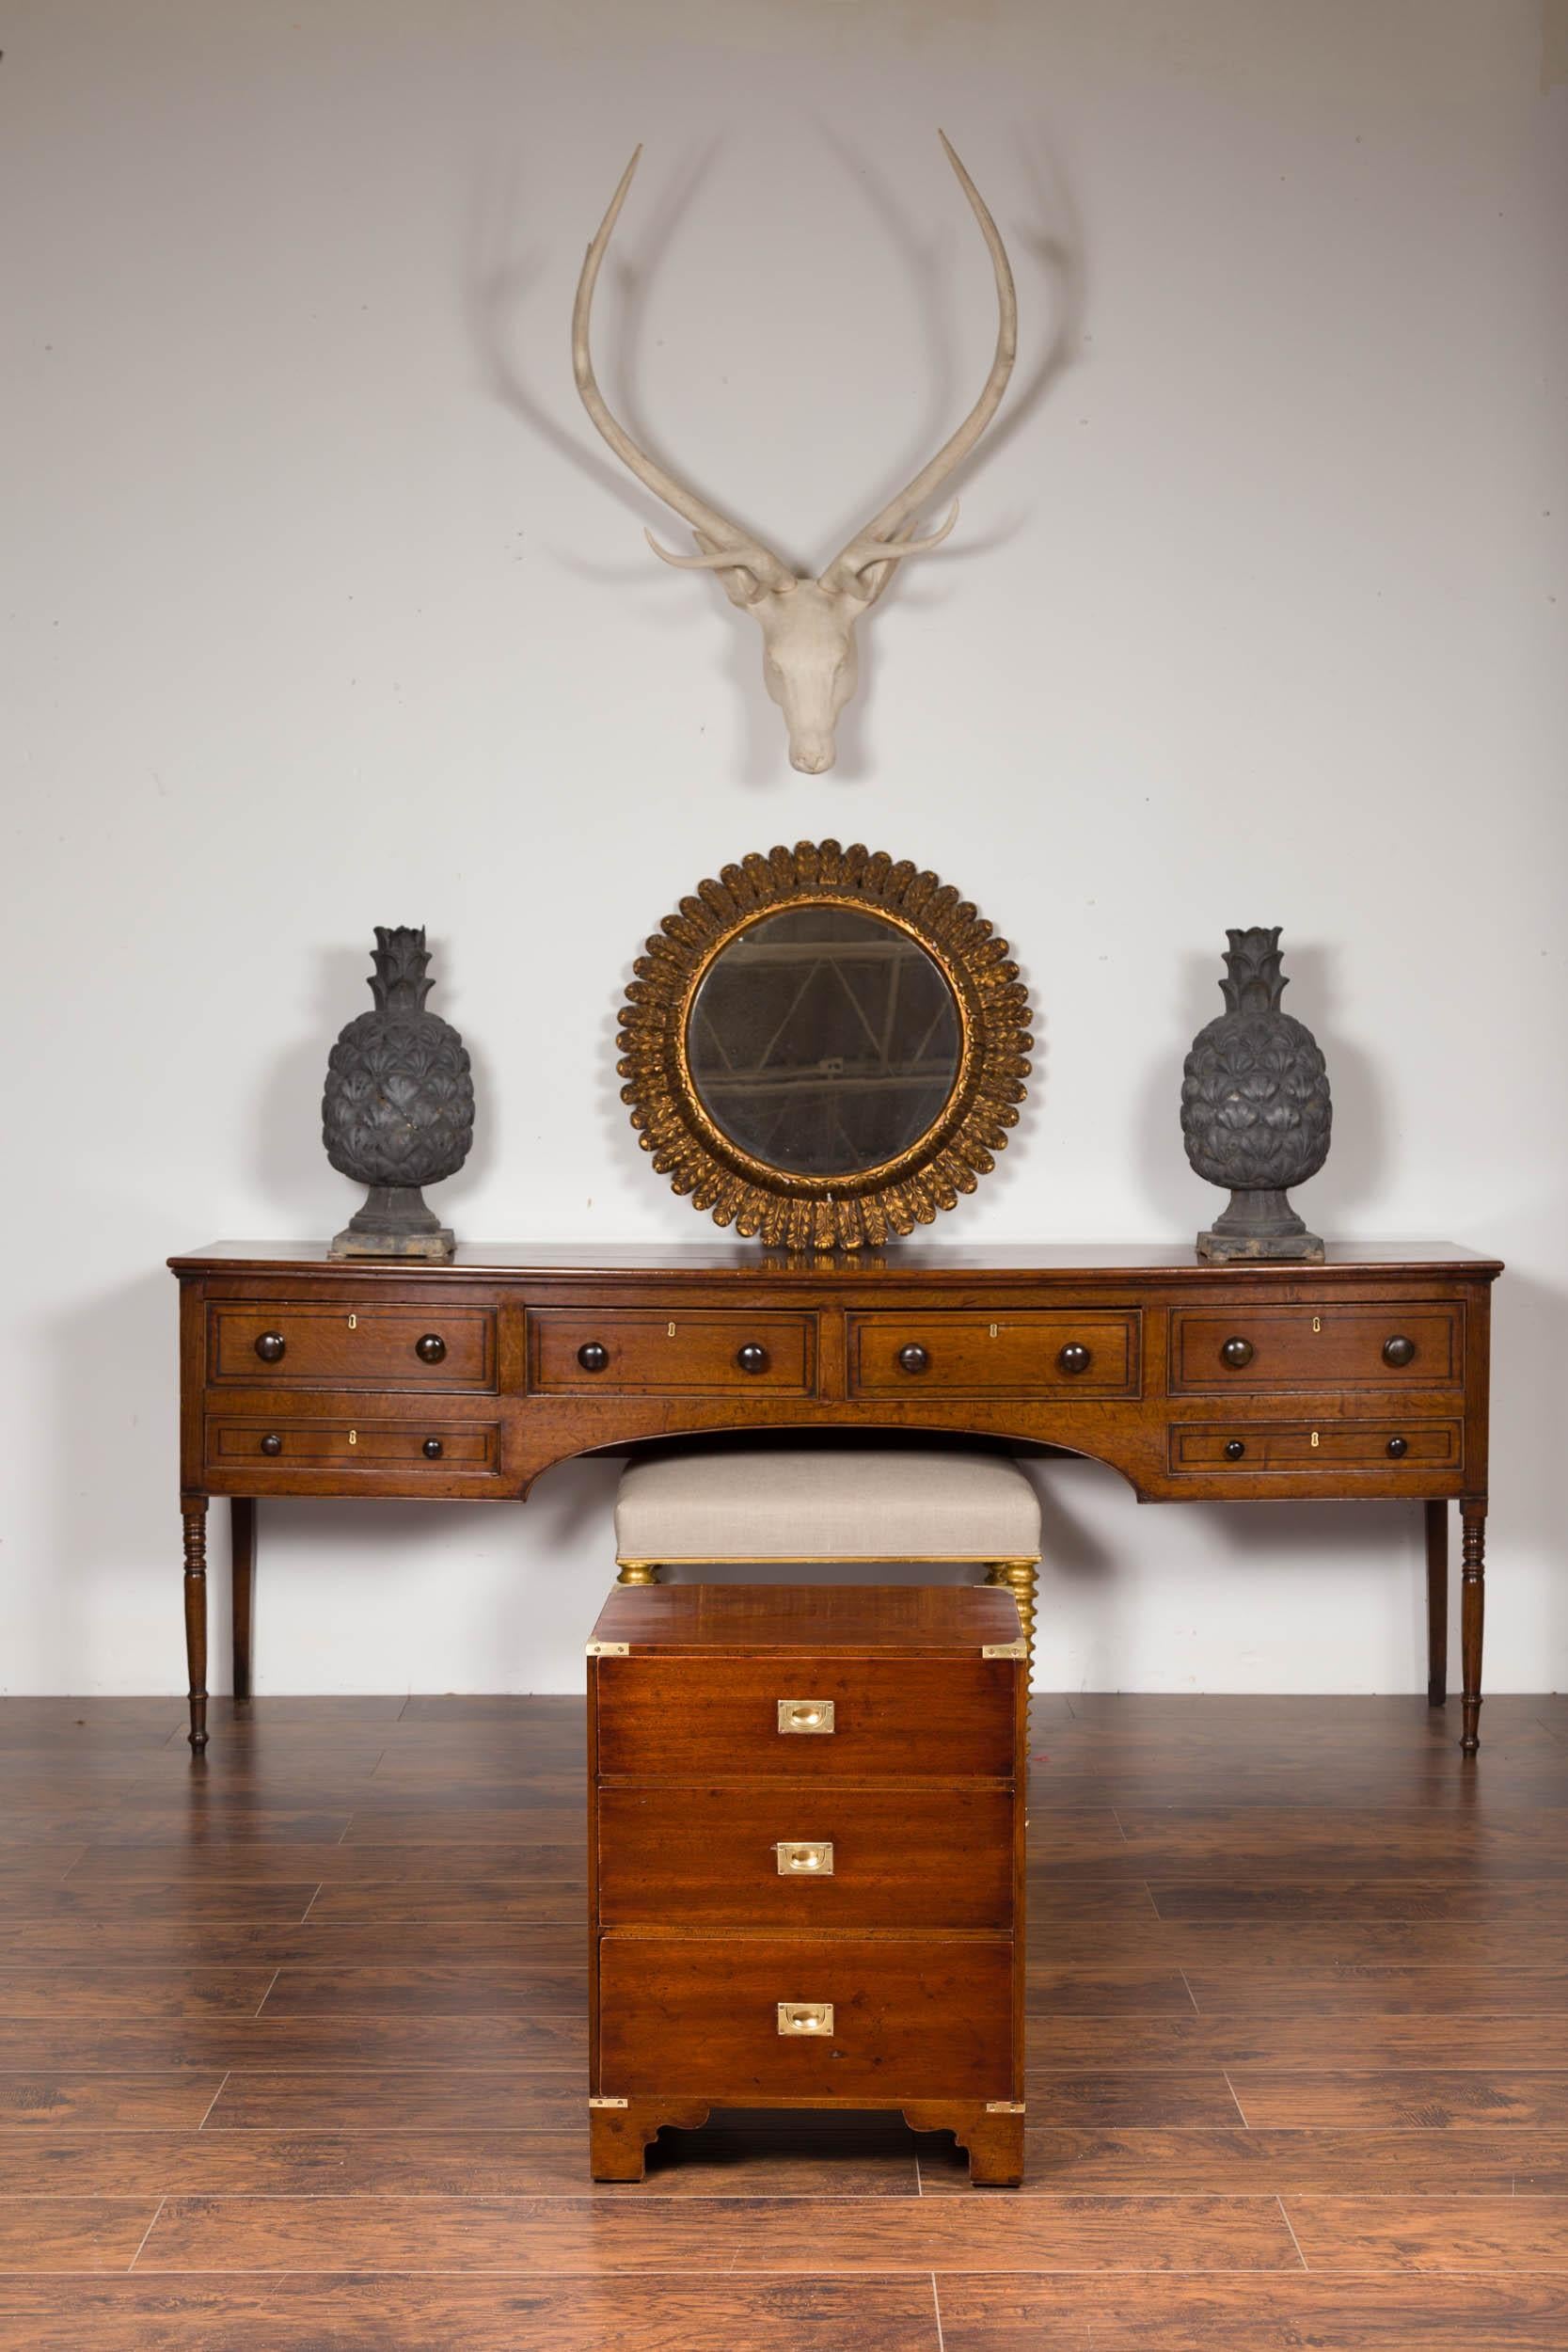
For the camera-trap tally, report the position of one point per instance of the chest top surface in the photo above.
(696, 1620)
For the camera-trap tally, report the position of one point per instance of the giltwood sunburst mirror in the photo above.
(824, 1046)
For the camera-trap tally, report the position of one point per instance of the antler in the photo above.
(884, 540)
(725, 547)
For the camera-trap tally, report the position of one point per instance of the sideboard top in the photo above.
(740, 1260)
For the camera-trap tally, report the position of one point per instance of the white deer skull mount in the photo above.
(808, 626)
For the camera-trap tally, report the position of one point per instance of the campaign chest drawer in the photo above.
(805, 1858)
(799, 2017)
(805, 1718)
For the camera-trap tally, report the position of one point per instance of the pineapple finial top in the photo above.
(399, 983)
(1254, 982)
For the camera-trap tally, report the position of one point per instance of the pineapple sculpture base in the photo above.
(1260, 1225)
(393, 1223)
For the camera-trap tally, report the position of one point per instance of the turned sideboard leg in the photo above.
(1021, 1579)
(241, 1557)
(1473, 1617)
(194, 1517)
(638, 1572)
(1438, 1603)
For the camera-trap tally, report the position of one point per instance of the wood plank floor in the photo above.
(292, 2051)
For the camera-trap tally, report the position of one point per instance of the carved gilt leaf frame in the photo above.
(806, 1212)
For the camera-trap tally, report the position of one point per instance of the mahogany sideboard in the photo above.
(1362, 1378)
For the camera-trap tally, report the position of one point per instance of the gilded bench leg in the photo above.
(638, 1572)
(1021, 1579)
(194, 1517)
(619, 2131)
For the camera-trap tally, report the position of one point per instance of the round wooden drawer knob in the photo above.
(751, 1358)
(593, 1356)
(272, 1347)
(270, 1444)
(1237, 1354)
(914, 1358)
(1399, 1448)
(433, 1449)
(1398, 1352)
(1075, 1357)
(431, 1349)
(1234, 1450)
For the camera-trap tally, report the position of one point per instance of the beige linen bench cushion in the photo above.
(865, 1503)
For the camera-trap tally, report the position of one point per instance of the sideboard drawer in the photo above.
(286, 1345)
(913, 2014)
(259, 1444)
(948, 1718)
(798, 1859)
(1023, 1353)
(1248, 1447)
(617, 1353)
(1217, 1352)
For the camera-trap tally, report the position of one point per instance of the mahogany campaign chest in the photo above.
(806, 1853)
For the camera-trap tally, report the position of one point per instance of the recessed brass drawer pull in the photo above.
(806, 2017)
(806, 1715)
(799, 1861)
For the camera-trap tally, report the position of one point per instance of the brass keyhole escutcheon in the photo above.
(1317, 1323)
(354, 1323)
(354, 1437)
(1314, 1437)
(670, 1331)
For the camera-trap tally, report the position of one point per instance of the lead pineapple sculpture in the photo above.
(398, 1108)
(1255, 1107)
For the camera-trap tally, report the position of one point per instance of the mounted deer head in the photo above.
(808, 626)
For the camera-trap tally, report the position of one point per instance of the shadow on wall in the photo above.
(496, 280)
(114, 1443)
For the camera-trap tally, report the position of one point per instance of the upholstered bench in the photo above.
(728, 1505)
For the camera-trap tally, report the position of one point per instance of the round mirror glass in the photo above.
(823, 1040)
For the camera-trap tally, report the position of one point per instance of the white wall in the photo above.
(324, 608)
